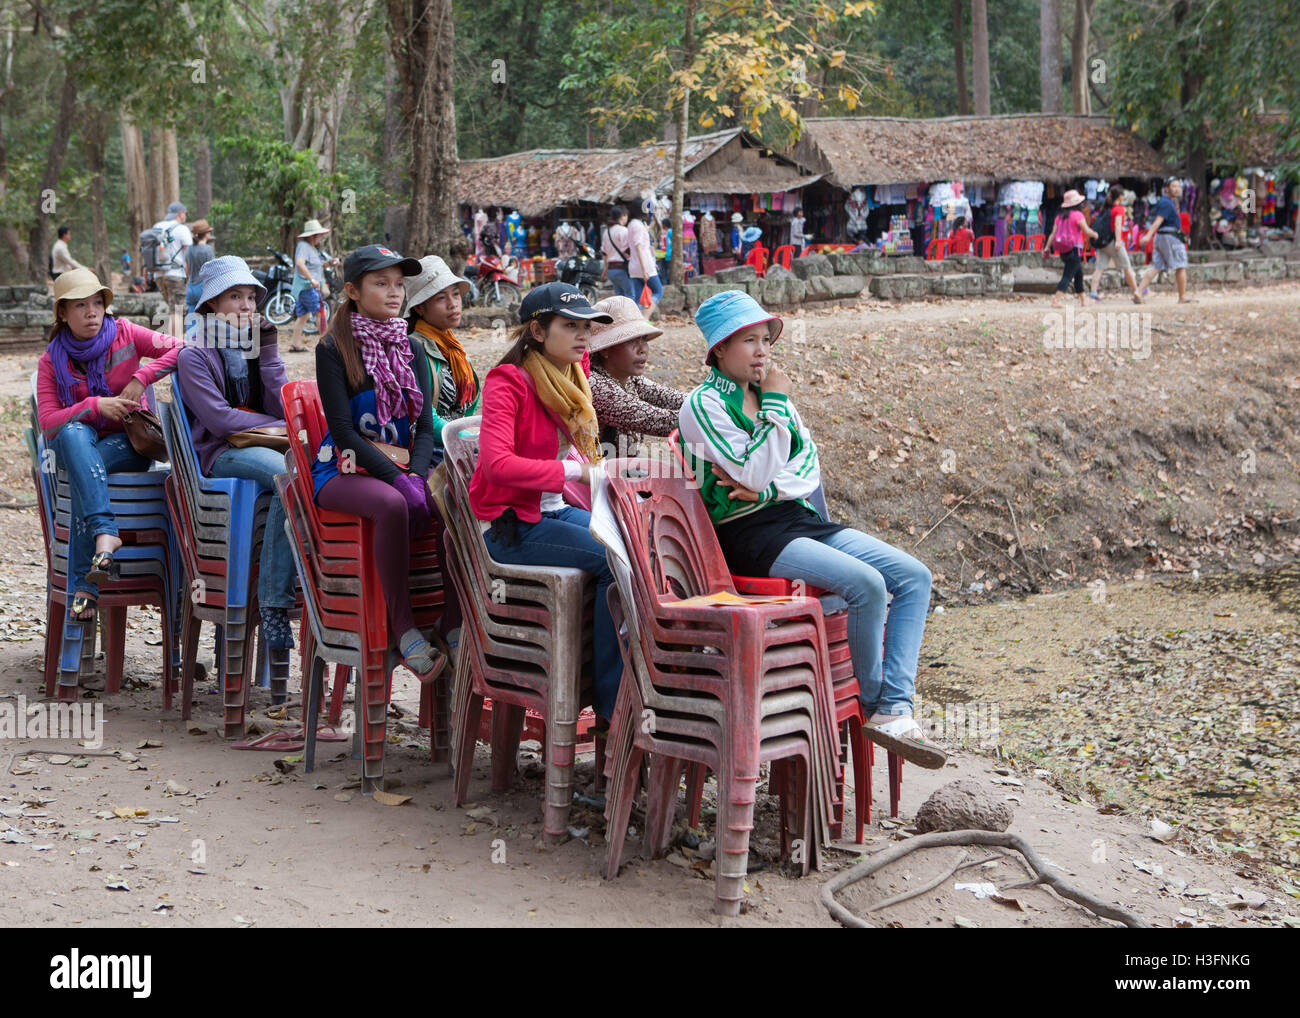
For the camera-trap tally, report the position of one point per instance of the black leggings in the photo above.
(1073, 271)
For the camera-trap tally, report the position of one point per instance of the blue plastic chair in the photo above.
(149, 561)
(223, 531)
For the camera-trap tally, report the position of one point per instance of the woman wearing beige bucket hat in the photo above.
(628, 405)
(88, 379)
(308, 279)
(433, 308)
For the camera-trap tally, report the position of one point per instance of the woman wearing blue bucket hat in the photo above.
(230, 375)
(757, 468)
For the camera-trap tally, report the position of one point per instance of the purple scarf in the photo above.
(90, 352)
(386, 354)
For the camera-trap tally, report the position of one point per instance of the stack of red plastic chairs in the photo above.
(345, 619)
(523, 644)
(726, 682)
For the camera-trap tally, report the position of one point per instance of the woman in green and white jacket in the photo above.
(758, 469)
(433, 309)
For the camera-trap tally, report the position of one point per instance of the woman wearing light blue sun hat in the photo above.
(757, 468)
(229, 376)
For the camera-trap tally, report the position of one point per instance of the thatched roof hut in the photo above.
(534, 182)
(977, 150)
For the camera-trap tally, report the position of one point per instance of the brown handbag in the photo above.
(400, 455)
(273, 436)
(144, 432)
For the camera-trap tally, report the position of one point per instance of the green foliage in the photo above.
(279, 188)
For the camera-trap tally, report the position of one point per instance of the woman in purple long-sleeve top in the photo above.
(229, 376)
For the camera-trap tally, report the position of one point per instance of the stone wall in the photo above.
(27, 312)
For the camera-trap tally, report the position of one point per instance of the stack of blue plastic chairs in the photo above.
(220, 521)
(150, 570)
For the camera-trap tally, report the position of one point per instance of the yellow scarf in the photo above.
(450, 348)
(568, 394)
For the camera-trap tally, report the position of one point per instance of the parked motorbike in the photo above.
(277, 305)
(498, 282)
(582, 270)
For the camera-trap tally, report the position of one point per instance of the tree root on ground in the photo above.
(943, 839)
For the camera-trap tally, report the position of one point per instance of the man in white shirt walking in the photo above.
(61, 259)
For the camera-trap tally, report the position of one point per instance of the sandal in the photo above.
(103, 569)
(421, 657)
(902, 736)
(82, 608)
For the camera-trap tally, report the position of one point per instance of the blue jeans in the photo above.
(192, 293)
(88, 460)
(622, 283)
(276, 573)
(656, 288)
(862, 569)
(563, 539)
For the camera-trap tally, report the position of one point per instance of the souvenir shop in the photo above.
(1252, 206)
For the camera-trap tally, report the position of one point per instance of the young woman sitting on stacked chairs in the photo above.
(374, 390)
(757, 467)
(89, 378)
(229, 376)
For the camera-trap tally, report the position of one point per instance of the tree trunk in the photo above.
(979, 35)
(139, 208)
(171, 171)
(202, 177)
(1080, 96)
(47, 197)
(676, 263)
(395, 160)
(157, 184)
(94, 137)
(959, 57)
(1049, 55)
(423, 42)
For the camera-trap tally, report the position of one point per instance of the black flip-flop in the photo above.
(103, 569)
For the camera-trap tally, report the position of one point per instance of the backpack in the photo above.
(153, 245)
(1105, 235)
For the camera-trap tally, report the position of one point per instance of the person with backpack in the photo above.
(1066, 240)
(162, 248)
(1110, 244)
(616, 253)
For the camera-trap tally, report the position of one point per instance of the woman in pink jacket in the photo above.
(89, 378)
(536, 404)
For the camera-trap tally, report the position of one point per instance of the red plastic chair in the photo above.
(757, 257)
(783, 255)
(731, 685)
(345, 617)
(1036, 241)
(937, 249)
(984, 246)
(1016, 242)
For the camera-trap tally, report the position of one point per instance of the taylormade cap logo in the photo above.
(566, 297)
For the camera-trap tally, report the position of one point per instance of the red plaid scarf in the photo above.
(386, 354)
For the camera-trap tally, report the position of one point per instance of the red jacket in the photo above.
(519, 442)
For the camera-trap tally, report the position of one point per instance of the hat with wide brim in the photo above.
(199, 227)
(751, 234)
(726, 313)
(1071, 198)
(312, 228)
(80, 284)
(736, 217)
(435, 276)
(560, 299)
(628, 323)
(218, 275)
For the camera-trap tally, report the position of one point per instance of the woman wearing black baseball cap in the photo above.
(536, 406)
(374, 461)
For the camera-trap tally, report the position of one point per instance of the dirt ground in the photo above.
(1116, 579)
